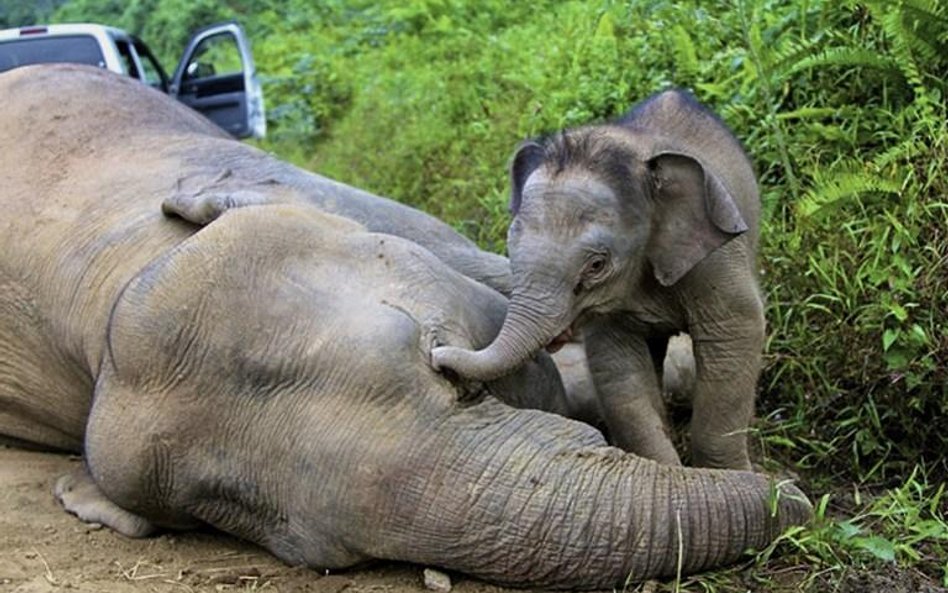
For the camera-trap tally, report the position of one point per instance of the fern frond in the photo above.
(901, 46)
(782, 59)
(683, 50)
(917, 35)
(901, 152)
(837, 188)
(847, 57)
(925, 23)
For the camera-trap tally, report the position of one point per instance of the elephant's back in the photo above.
(79, 144)
(81, 213)
(80, 108)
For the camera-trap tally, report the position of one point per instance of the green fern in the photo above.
(917, 31)
(783, 59)
(683, 49)
(903, 151)
(846, 182)
(922, 25)
(846, 57)
(902, 45)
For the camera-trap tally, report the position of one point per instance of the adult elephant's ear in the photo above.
(694, 215)
(528, 158)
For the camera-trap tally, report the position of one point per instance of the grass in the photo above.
(893, 531)
(861, 539)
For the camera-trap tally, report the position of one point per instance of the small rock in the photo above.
(435, 580)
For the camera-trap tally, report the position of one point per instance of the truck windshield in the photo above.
(80, 49)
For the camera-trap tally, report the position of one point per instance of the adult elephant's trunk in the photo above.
(530, 325)
(547, 504)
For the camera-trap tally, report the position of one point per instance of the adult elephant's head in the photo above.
(599, 213)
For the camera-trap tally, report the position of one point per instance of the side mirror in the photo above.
(199, 70)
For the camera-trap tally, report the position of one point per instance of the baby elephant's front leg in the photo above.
(727, 360)
(627, 384)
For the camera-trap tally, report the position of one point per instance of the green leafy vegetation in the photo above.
(16, 13)
(841, 105)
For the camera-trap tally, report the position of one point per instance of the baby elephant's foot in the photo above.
(79, 495)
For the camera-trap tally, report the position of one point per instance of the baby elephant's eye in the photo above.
(596, 265)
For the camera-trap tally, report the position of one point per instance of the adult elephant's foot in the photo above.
(79, 495)
(201, 201)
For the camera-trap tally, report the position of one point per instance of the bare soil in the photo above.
(43, 548)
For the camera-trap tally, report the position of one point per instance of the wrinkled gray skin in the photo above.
(241, 177)
(635, 231)
(582, 401)
(268, 374)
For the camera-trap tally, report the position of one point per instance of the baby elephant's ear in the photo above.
(694, 215)
(528, 158)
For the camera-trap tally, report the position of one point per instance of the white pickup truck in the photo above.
(215, 76)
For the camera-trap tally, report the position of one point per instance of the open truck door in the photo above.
(217, 77)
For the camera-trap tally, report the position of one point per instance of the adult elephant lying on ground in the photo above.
(269, 374)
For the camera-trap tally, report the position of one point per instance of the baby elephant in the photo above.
(634, 231)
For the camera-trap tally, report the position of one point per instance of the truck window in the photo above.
(128, 62)
(79, 49)
(217, 55)
(154, 74)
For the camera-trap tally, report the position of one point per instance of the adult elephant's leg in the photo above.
(202, 208)
(678, 372)
(79, 494)
(623, 370)
(128, 476)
